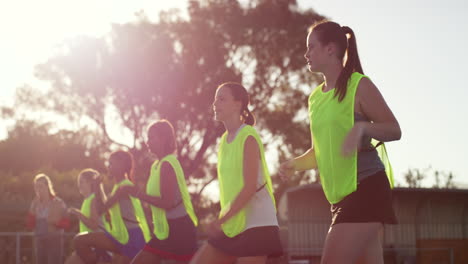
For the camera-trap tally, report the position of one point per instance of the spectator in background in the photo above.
(47, 216)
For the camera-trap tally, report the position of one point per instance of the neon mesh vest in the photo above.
(161, 227)
(330, 122)
(231, 179)
(119, 229)
(86, 211)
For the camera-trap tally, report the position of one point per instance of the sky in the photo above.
(414, 51)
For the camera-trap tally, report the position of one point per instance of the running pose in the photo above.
(128, 232)
(346, 111)
(90, 186)
(247, 228)
(174, 220)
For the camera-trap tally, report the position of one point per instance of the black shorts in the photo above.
(181, 244)
(256, 241)
(371, 202)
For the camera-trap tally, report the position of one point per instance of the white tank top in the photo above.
(260, 210)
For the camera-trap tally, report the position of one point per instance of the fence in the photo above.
(17, 248)
(391, 256)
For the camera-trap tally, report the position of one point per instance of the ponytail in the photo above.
(353, 64)
(331, 32)
(248, 117)
(240, 94)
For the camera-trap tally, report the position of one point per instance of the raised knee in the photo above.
(79, 240)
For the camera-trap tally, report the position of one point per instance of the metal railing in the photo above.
(13, 237)
(392, 255)
(13, 249)
(20, 253)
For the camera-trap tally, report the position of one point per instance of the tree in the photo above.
(144, 71)
(414, 178)
(31, 146)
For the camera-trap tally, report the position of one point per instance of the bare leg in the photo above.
(252, 260)
(347, 242)
(123, 260)
(144, 257)
(207, 254)
(374, 252)
(84, 244)
(74, 259)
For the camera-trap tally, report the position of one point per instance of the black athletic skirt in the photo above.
(181, 244)
(371, 202)
(256, 241)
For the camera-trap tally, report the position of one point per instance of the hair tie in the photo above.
(346, 30)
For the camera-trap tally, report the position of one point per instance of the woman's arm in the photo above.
(92, 221)
(32, 208)
(58, 216)
(306, 161)
(56, 211)
(383, 125)
(31, 217)
(168, 187)
(114, 198)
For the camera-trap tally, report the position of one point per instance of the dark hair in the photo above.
(125, 158)
(240, 94)
(95, 181)
(164, 130)
(331, 32)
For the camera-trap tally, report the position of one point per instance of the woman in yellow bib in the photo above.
(174, 220)
(247, 228)
(346, 112)
(90, 186)
(128, 232)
